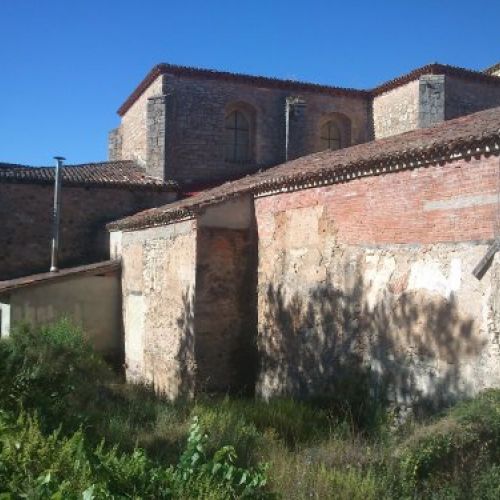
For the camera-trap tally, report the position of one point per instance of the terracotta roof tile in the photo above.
(210, 74)
(121, 174)
(299, 86)
(436, 69)
(426, 144)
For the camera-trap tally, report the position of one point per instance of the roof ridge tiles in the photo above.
(120, 173)
(189, 71)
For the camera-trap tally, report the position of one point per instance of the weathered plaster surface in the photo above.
(189, 301)
(159, 267)
(412, 314)
(464, 97)
(373, 275)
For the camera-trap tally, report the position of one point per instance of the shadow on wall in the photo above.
(410, 345)
(240, 370)
(185, 354)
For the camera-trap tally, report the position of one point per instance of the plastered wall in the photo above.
(158, 280)
(189, 302)
(91, 302)
(372, 276)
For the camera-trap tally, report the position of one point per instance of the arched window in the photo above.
(237, 137)
(330, 136)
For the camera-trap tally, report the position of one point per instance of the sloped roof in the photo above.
(436, 69)
(120, 174)
(211, 74)
(98, 268)
(299, 86)
(422, 145)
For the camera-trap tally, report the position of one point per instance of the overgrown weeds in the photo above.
(70, 429)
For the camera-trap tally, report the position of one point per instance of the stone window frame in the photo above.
(248, 113)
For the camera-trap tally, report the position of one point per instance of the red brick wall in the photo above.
(442, 203)
(26, 222)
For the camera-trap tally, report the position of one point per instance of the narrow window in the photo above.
(330, 136)
(237, 143)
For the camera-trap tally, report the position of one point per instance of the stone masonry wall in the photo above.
(26, 221)
(194, 126)
(156, 135)
(115, 144)
(197, 150)
(225, 310)
(396, 111)
(431, 99)
(189, 302)
(376, 275)
(464, 97)
(158, 285)
(133, 126)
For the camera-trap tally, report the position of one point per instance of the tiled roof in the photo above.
(121, 174)
(436, 69)
(418, 147)
(298, 86)
(99, 268)
(210, 74)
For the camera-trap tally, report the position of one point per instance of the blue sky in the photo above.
(66, 66)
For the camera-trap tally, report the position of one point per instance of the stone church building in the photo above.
(201, 127)
(317, 230)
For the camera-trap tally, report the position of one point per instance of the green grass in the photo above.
(69, 426)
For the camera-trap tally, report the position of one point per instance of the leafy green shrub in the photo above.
(51, 369)
(487, 484)
(196, 469)
(33, 465)
(445, 455)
